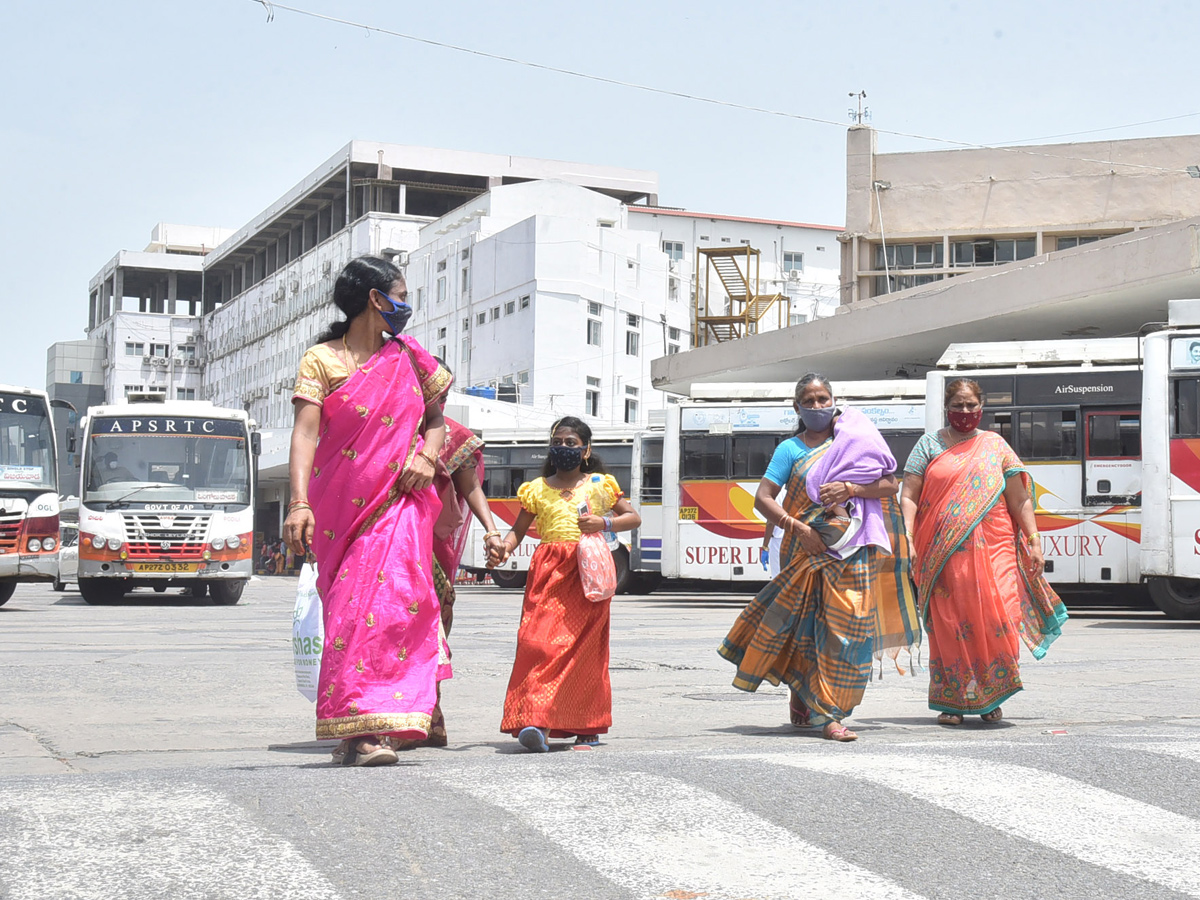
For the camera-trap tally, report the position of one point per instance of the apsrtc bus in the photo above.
(29, 504)
(166, 499)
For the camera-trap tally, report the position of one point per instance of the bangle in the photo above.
(1029, 538)
(431, 460)
(608, 520)
(298, 504)
(850, 488)
(488, 534)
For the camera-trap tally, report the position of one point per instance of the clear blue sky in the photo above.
(119, 115)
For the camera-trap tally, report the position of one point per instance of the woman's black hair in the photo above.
(593, 463)
(353, 288)
(805, 380)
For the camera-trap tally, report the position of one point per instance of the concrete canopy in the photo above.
(1106, 289)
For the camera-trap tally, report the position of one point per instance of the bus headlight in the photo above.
(233, 542)
(34, 545)
(114, 544)
(98, 542)
(218, 544)
(49, 543)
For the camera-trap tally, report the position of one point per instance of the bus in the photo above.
(29, 505)
(1110, 432)
(633, 456)
(716, 447)
(166, 499)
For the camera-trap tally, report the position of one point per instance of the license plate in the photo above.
(163, 567)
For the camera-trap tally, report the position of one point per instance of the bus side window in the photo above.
(704, 456)
(1114, 435)
(1047, 434)
(999, 422)
(751, 455)
(652, 454)
(1186, 407)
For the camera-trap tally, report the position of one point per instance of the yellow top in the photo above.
(322, 371)
(558, 516)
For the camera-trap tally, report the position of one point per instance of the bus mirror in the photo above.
(71, 442)
(256, 443)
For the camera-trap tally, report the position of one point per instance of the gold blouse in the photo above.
(322, 371)
(558, 516)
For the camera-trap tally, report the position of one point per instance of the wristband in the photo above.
(608, 520)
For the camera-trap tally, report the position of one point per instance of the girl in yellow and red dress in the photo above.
(559, 685)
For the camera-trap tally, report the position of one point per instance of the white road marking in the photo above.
(95, 843)
(1092, 824)
(657, 836)
(1169, 748)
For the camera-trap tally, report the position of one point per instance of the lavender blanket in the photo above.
(859, 455)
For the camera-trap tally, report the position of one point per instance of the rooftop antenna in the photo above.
(862, 114)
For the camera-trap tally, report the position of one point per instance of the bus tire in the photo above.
(621, 561)
(7, 589)
(507, 578)
(226, 593)
(1179, 598)
(99, 591)
(644, 582)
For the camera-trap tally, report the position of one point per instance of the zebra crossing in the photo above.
(645, 825)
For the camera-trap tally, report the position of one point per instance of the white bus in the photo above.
(166, 499)
(1110, 431)
(29, 505)
(717, 446)
(632, 456)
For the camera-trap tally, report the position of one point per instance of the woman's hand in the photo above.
(1036, 557)
(835, 493)
(499, 556)
(810, 541)
(299, 528)
(493, 546)
(418, 475)
(590, 524)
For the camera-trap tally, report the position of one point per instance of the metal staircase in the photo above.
(732, 307)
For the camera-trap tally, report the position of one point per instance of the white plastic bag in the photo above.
(308, 632)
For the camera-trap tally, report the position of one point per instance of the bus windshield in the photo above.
(26, 443)
(198, 461)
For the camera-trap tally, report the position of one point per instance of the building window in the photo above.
(185, 351)
(132, 349)
(466, 326)
(723, 241)
(673, 333)
(481, 318)
(160, 350)
(593, 308)
(673, 249)
(132, 389)
(525, 302)
(185, 393)
(441, 266)
(631, 391)
(466, 280)
(76, 377)
(441, 289)
(523, 377)
(704, 237)
(156, 389)
(495, 313)
(420, 298)
(592, 397)
(745, 242)
(465, 356)
(890, 284)
(672, 349)
(593, 332)
(466, 254)
(631, 411)
(1066, 243)
(988, 252)
(631, 320)
(604, 223)
(797, 318)
(441, 353)
(631, 343)
(793, 261)
(510, 307)
(673, 288)
(442, 333)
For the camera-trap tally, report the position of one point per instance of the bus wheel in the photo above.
(98, 591)
(621, 561)
(644, 582)
(7, 589)
(1179, 598)
(507, 578)
(226, 593)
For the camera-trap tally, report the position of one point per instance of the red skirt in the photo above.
(560, 676)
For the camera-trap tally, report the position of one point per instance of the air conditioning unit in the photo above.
(280, 294)
(794, 275)
(295, 287)
(192, 363)
(161, 361)
(673, 265)
(326, 267)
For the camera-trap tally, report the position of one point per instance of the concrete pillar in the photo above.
(403, 203)
(118, 289)
(860, 175)
(172, 292)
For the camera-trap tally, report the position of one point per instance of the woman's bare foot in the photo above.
(949, 719)
(836, 731)
(994, 716)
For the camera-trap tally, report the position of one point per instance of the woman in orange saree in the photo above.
(979, 578)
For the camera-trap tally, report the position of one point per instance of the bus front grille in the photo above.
(156, 536)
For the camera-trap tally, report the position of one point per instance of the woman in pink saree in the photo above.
(365, 444)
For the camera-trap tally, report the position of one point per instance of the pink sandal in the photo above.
(836, 731)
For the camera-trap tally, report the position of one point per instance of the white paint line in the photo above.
(1092, 824)
(94, 843)
(1182, 750)
(654, 835)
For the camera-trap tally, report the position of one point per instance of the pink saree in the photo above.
(462, 448)
(383, 656)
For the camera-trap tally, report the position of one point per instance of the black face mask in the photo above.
(566, 459)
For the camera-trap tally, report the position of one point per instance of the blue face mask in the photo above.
(398, 317)
(819, 418)
(566, 459)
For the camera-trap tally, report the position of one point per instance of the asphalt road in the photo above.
(158, 749)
